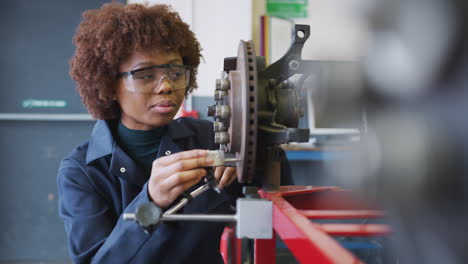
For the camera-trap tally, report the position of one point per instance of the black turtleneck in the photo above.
(141, 145)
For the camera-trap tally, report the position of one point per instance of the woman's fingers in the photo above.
(181, 170)
(179, 156)
(233, 177)
(228, 176)
(165, 191)
(171, 175)
(184, 165)
(218, 173)
(182, 178)
(176, 191)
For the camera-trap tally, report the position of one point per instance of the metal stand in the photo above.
(253, 216)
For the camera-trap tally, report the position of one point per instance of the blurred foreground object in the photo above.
(414, 158)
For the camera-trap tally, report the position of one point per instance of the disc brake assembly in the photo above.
(257, 108)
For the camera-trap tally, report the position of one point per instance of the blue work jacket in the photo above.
(98, 182)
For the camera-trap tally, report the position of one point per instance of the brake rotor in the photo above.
(243, 104)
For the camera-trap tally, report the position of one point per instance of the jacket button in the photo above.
(122, 169)
(168, 152)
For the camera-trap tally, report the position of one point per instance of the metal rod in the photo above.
(231, 160)
(46, 117)
(129, 216)
(184, 201)
(198, 217)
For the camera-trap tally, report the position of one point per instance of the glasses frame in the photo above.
(130, 74)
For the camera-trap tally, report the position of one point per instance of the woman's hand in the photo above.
(171, 175)
(225, 176)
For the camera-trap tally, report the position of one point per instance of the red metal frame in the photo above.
(230, 246)
(294, 206)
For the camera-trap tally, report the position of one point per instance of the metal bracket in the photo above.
(291, 62)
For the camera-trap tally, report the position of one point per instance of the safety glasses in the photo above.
(149, 79)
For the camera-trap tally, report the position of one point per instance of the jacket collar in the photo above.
(101, 142)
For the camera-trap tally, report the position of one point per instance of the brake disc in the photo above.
(243, 104)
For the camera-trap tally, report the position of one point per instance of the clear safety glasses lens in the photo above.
(150, 80)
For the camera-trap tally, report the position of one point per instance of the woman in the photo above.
(133, 66)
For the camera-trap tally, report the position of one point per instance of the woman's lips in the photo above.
(164, 107)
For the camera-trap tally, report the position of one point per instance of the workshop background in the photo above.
(42, 118)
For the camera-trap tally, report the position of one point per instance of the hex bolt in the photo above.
(222, 84)
(221, 138)
(219, 95)
(222, 111)
(219, 126)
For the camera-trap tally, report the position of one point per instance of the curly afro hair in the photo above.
(109, 35)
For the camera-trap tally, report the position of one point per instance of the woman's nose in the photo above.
(164, 85)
